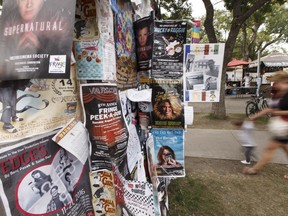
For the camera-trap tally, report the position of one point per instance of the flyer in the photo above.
(169, 152)
(105, 122)
(36, 106)
(167, 101)
(103, 192)
(39, 177)
(133, 197)
(203, 72)
(129, 110)
(168, 49)
(36, 43)
(126, 61)
(85, 25)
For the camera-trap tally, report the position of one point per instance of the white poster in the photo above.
(202, 72)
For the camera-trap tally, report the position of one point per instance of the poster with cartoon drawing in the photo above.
(25, 104)
(202, 72)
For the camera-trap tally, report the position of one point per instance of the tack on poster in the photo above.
(35, 106)
(106, 125)
(169, 39)
(36, 40)
(169, 152)
(203, 72)
(167, 102)
(38, 177)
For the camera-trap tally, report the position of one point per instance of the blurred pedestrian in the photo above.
(278, 110)
(246, 138)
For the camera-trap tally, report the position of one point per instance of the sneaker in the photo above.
(245, 162)
(17, 119)
(10, 128)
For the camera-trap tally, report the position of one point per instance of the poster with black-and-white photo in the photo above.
(167, 102)
(169, 152)
(106, 125)
(168, 49)
(202, 72)
(36, 41)
(39, 177)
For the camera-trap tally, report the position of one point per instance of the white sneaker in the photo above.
(245, 162)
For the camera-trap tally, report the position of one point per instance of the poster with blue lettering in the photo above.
(169, 152)
(38, 177)
(36, 39)
(169, 40)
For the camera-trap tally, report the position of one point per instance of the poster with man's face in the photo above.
(36, 39)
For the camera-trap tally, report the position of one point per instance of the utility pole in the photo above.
(258, 79)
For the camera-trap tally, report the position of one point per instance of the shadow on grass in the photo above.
(194, 197)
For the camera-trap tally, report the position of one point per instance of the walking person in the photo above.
(278, 110)
(246, 138)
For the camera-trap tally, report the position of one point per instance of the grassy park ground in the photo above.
(218, 187)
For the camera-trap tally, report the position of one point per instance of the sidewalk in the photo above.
(222, 144)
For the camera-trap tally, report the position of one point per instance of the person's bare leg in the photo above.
(285, 148)
(267, 155)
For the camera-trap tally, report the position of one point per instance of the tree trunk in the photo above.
(219, 108)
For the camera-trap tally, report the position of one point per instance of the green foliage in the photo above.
(175, 10)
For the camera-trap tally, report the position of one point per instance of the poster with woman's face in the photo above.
(168, 152)
(168, 111)
(36, 39)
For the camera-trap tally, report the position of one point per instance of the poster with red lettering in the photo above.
(39, 177)
(107, 128)
(36, 39)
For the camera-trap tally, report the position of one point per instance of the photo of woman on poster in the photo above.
(166, 157)
(36, 27)
(169, 108)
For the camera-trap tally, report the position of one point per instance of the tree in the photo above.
(176, 9)
(241, 11)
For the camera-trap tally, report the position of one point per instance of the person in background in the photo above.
(278, 108)
(246, 138)
(246, 82)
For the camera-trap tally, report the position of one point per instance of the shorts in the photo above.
(282, 140)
